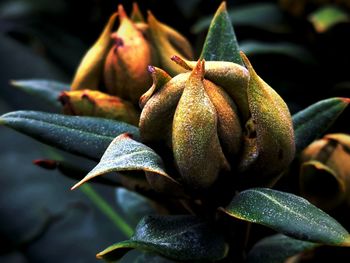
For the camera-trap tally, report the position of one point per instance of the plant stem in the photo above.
(107, 210)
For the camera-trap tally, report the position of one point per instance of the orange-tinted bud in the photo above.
(325, 171)
(98, 104)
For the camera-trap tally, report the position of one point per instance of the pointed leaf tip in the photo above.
(125, 154)
(221, 42)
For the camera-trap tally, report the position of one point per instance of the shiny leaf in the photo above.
(277, 248)
(125, 154)
(221, 43)
(85, 136)
(184, 238)
(287, 213)
(47, 90)
(313, 121)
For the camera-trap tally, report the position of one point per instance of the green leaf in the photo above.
(47, 90)
(328, 16)
(182, 238)
(125, 154)
(85, 136)
(277, 248)
(287, 213)
(265, 16)
(288, 49)
(313, 121)
(221, 43)
(134, 205)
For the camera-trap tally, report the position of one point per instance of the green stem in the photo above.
(107, 210)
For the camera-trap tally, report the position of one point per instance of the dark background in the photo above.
(41, 220)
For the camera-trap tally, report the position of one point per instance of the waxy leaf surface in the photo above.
(313, 121)
(183, 238)
(221, 42)
(85, 136)
(126, 154)
(287, 213)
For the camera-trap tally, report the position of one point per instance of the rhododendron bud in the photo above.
(219, 118)
(98, 104)
(325, 171)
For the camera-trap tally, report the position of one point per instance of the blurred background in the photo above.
(301, 48)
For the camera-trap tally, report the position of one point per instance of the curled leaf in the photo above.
(125, 154)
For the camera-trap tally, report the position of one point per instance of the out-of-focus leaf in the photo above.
(328, 16)
(287, 213)
(313, 121)
(13, 66)
(48, 90)
(187, 7)
(71, 170)
(285, 49)
(85, 136)
(25, 8)
(277, 248)
(184, 238)
(221, 42)
(267, 16)
(40, 220)
(125, 154)
(148, 257)
(134, 205)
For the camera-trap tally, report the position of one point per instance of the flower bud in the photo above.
(98, 104)
(89, 72)
(218, 117)
(118, 61)
(325, 171)
(125, 70)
